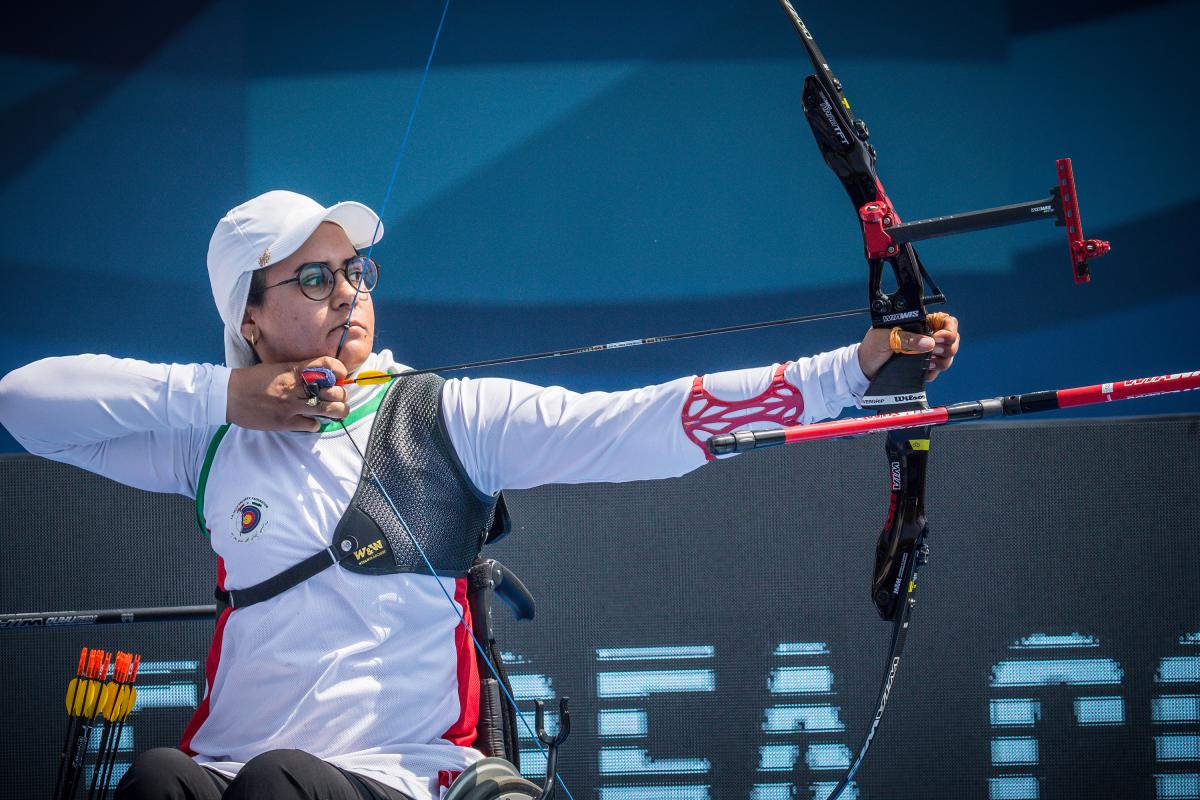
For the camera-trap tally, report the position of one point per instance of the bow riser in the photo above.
(842, 140)
(904, 530)
(900, 383)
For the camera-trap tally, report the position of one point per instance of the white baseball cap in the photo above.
(261, 232)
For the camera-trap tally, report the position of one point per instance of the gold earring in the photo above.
(253, 339)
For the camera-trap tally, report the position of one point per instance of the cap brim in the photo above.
(362, 226)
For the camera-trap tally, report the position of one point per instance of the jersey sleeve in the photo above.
(828, 382)
(145, 425)
(514, 435)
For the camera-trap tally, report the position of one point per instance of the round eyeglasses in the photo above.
(318, 279)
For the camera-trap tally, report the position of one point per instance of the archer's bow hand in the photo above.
(881, 343)
(273, 397)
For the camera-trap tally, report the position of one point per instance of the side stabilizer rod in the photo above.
(883, 232)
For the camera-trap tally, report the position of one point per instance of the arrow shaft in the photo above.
(671, 337)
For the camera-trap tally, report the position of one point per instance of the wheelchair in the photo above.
(498, 775)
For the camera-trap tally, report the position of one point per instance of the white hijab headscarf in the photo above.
(261, 232)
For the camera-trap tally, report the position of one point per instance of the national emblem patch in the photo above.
(248, 519)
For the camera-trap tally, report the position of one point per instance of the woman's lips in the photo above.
(353, 325)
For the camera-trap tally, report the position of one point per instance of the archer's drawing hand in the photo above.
(270, 397)
(943, 344)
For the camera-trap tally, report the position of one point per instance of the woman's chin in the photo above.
(355, 350)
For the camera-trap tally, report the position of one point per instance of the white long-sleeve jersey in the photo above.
(367, 672)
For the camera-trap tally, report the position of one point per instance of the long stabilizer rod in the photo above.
(1029, 403)
(110, 616)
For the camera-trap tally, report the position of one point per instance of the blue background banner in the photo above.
(582, 173)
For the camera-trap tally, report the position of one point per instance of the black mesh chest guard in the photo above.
(410, 452)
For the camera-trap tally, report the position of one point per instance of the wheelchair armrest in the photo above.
(488, 573)
(508, 587)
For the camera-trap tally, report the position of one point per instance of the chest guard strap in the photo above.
(277, 584)
(410, 452)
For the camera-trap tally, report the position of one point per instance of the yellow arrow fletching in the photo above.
(132, 700)
(73, 686)
(89, 705)
(80, 697)
(109, 703)
(118, 709)
(370, 377)
(71, 693)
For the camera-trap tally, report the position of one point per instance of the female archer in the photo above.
(337, 669)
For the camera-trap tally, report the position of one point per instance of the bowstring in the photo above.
(371, 470)
(462, 620)
(387, 195)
